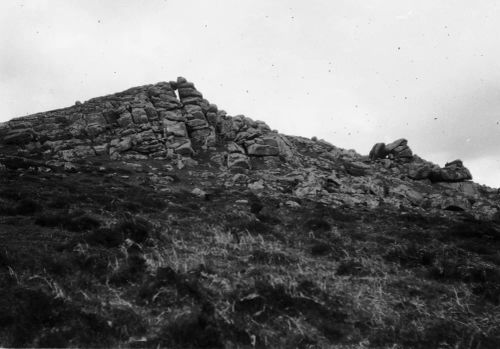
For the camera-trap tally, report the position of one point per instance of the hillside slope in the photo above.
(152, 218)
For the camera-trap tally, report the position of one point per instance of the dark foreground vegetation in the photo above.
(103, 259)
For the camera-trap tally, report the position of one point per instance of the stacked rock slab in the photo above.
(168, 120)
(398, 149)
(452, 172)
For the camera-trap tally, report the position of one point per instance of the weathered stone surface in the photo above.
(139, 116)
(235, 148)
(174, 115)
(125, 119)
(397, 143)
(468, 188)
(94, 129)
(197, 124)
(200, 136)
(119, 146)
(262, 150)
(357, 168)
(19, 136)
(238, 160)
(189, 92)
(455, 204)
(404, 153)
(79, 152)
(420, 171)
(194, 112)
(101, 149)
(185, 149)
(408, 193)
(310, 186)
(174, 128)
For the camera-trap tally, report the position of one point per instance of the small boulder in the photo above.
(258, 185)
(199, 193)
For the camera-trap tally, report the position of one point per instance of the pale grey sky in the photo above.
(351, 72)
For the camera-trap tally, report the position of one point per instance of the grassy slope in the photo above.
(91, 259)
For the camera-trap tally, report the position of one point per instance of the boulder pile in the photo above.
(452, 172)
(398, 149)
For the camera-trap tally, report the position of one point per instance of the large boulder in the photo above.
(378, 151)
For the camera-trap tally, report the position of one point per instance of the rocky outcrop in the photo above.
(165, 121)
(172, 124)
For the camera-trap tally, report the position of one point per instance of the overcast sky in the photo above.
(351, 72)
